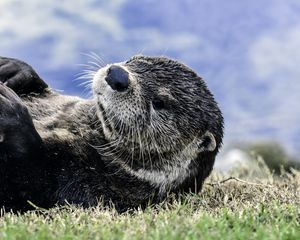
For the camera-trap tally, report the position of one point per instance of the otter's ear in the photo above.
(207, 142)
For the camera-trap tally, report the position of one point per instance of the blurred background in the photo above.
(247, 51)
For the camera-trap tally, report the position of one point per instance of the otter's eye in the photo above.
(158, 104)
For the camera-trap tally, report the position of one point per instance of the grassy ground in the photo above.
(241, 205)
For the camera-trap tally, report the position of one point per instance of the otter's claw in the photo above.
(20, 76)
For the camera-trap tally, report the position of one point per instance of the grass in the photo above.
(244, 204)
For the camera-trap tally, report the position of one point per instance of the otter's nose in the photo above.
(117, 78)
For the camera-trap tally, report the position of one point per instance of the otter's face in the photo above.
(157, 104)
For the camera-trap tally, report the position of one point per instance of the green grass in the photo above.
(271, 221)
(260, 206)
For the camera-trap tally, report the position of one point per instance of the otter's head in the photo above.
(161, 120)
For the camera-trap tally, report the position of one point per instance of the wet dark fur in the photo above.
(54, 159)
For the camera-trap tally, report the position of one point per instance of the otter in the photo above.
(151, 128)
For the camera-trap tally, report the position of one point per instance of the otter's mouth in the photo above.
(105, 121)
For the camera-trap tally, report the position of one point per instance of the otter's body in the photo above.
(78, 174)
(152, 127)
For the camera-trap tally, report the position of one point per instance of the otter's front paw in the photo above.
(18, 136)
(20, 77)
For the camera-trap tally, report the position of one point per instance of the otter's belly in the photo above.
(57, 116)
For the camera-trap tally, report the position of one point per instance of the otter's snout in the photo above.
(117, 78)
